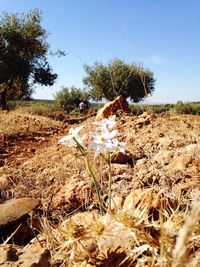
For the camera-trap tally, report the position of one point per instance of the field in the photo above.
(47, 107)
(155, 208)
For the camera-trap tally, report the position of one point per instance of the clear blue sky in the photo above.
(161, 35)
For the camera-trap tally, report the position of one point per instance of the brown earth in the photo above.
(165, 158)
(19, 148)
(164, 152)
(22, 136)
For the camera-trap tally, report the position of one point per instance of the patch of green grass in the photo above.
(47, 107)
(35, 107)
(192, 108)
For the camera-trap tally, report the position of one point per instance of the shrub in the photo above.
(68, 99)
(192, 108)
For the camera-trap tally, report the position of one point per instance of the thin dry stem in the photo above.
(180, 253)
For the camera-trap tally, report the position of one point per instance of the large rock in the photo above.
(111, 107)
(14, 209)
(15, 220)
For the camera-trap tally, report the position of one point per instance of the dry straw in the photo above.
(180, 253)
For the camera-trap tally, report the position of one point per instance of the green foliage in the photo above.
(187, 108)
(192, 108)
(68, 99)
(23, 51)
(118, 78)
(39, 108)
(34, 107)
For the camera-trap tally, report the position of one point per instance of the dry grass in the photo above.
(125, 238)
(186, 234)
(153, 224)
(12, 123)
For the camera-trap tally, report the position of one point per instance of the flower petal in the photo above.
(64, 139)
(75, 131)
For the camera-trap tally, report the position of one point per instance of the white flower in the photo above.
(103, 141)
(106, 123)
(116, 146)
(73, 134)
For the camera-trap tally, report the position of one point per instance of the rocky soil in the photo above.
(48, 205)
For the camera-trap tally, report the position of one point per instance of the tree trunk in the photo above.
(4, 94)
(3, 100)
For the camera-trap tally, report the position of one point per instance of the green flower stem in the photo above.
(109, 180)
(80, 147)
(91, 173)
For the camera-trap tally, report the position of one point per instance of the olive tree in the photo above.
(23, 56)
(118, 78)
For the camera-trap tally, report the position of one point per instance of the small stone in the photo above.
(131, 200)
(31, 150)
(12, 254)
(35, 256)
(122, 158)
(180, 163)
(163, 157)
(4, 181)
(116, 203)
(193, 150)
(164, 142)
(2, 163)
(118, 169)
(8, 253)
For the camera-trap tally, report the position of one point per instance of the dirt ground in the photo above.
(165, 158)
(165, 153)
